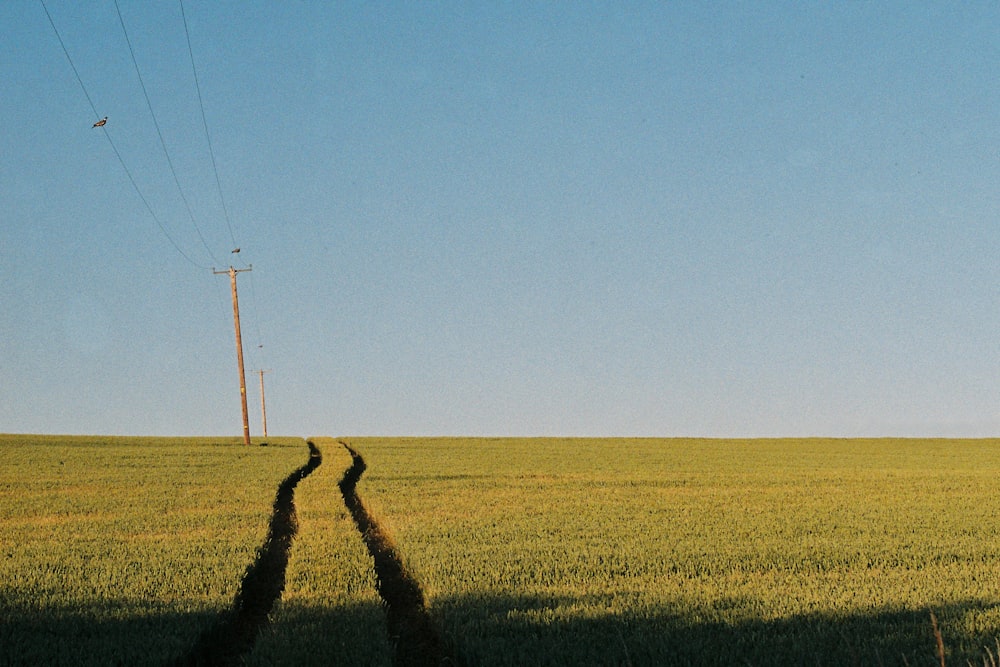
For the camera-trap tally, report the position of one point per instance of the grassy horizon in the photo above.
(529, 550)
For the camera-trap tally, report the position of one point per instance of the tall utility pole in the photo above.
(239, 349)
(263, 409)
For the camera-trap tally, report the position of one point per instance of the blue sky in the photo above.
(662, 219)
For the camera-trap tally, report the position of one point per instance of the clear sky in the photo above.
(656, 219)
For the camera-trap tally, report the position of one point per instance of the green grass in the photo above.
(530, 552)
(122, 550)
(697, 551)
(329, 613)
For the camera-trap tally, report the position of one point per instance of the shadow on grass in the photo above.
(108, 633)
(519, 630)
(111, 635)
(515, 630)
(307, 634)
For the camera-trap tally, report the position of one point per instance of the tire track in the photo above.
(415, 640)
(236, 631)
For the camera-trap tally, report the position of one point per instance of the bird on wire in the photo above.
(101, 122)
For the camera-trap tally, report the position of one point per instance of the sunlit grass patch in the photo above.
(123, 549)
(329, 612)
(706, 551)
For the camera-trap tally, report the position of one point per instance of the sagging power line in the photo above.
(159, 133)
(204, 121)
(103, 125)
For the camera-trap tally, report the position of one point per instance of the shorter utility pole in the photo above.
(239, 347)
(263, 409)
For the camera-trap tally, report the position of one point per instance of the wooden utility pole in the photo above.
(263, 409)
(239, 349)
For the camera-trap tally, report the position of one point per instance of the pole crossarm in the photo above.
(231, 270)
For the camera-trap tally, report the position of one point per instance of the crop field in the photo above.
(123, 550)
(524, 551)
(657, 552)
(329, 613)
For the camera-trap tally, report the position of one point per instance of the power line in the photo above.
(59, 37)
(256, 318)
(146, 202)
(218, 182)
(159, 133)
(114, 148)
(204, 121)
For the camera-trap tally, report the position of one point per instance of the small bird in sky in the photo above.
(237, 250)
(101, 122)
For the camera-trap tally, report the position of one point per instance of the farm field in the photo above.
(528, 551)
(124, 550)
(686, 551)
(329, 613)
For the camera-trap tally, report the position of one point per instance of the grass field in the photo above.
(329, 613)
(698, 551)
(528, 551)
(122, 550)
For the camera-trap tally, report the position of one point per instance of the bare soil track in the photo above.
(236, 631)
(415, 639)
